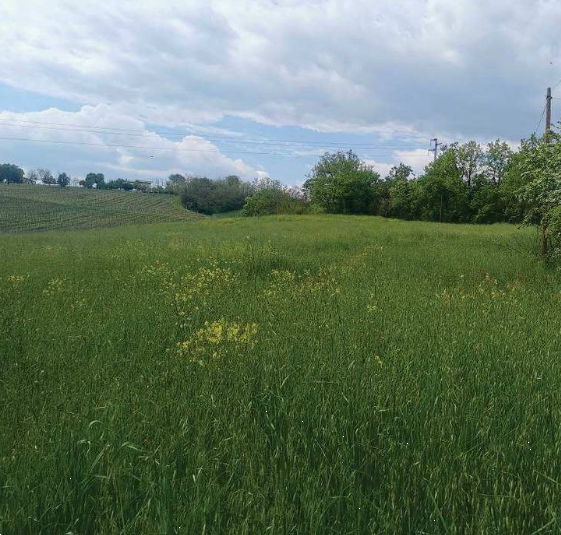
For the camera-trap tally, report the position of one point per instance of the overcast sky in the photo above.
(143, 88)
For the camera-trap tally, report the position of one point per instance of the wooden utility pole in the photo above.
(548, 112)
(435, 149)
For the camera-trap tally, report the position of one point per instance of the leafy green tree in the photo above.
(271, 201)
(469, 158)
(63, 180)
(402, 195)
(207, 196)
(541, 165)
(267, 182)
(264, 202)
(342, 183)
(440, 194)
(400, 172)
(92, 180)
(496, 159)
(486, 201)
(142, 186)
(11, 174)
(395, 194)
(176, 183)
(515, 179)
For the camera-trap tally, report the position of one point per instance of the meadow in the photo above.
(25, 208)
(291, 375)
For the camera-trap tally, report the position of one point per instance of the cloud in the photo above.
(381, 168)
(416, 159)
(468, 68)
(103, 138)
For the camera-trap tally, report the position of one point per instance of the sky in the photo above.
(146, 88)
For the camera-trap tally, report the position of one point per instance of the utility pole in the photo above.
(548, 113)
(435, 149)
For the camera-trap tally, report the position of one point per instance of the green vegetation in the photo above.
(11, 174)
(26, 208)
(306, 375)
(341, 184)
(211, 196)
(273, 201)
(466, 184)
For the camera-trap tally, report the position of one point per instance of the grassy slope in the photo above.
(26, 208)
(404, 379)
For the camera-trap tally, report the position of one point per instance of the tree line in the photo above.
(12, 174)
(467, 183)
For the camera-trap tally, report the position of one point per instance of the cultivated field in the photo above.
(304, 375)
(25, 208)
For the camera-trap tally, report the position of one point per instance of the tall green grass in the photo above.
(25, 208)
(308, 375)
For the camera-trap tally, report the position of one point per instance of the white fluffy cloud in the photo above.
(463, 68)
(102, 138)
(416, 159)
(381, 168)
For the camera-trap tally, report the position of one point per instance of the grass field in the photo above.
(25, 208)
(290, 375)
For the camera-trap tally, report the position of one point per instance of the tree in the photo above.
(266, 182)
(270, 201)
(176, 182)
(400, 172)
(512, 184)
(207, 196)
(497, 159)
(92, 180)
(486, 201)
(541, 165)
(401, 194)
(264, 202)
(46, 177)
(63, 180)
(11, 174)
(440, 194)
(469, 157)
(142, 186)
(32, 176)
(394, 193)
(341, 183)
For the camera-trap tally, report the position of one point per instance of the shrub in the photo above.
(554, 232)
(273, 201)
(207, 196)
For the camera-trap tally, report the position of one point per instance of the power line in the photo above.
(112, 145)
(171, 149)
(178, 137)
(140, 133)
(541, 119)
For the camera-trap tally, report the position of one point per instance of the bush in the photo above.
(273, 201)
(554, 232)
(209, 197)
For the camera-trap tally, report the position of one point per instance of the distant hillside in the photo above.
(25, 208)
